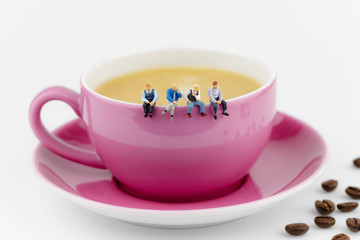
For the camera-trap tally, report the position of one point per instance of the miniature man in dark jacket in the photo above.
(149, 98)
(192, 97)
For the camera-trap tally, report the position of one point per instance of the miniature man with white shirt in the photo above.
(216, 98)
(149, 98)
(192, 97)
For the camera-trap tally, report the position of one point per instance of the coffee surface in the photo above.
(129, 87)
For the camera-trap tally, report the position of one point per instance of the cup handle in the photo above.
(50, 141)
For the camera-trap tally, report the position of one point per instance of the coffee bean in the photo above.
(329, 185)
(341, 236)
(325, 207)
(347, 207)
(324, 221)
(296, 228)
(357, 162)
(353, 224)
(353, 192)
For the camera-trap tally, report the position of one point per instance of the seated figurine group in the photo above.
(192, 97)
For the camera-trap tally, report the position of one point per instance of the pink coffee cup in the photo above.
(157, 159)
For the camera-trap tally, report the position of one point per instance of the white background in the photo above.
(313, 45)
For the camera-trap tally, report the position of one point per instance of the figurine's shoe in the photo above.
(293, 158)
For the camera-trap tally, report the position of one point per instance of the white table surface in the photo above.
(314, 46)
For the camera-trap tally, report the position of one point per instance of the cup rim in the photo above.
(86, 73)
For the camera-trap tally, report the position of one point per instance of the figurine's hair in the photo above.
(173, 85)
(147, 85)
(196, 85)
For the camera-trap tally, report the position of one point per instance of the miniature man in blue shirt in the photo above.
(149, 98)
(172, 95)
(216, 98)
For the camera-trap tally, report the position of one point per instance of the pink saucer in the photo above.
(293, 158)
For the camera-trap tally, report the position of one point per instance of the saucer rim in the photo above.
(259, 203)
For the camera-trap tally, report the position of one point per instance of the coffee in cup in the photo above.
(128, 87)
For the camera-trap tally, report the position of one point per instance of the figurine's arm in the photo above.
(143, 99)
(168, 96)
(156, 96)
(197, 97)
(187, 94)
(179, 94)
(211, 97)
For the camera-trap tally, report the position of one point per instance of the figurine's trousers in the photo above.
(148, 108)
(215, 106)
(171, 108)
(196, 103)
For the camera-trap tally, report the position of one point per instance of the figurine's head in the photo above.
(196, 88)
(215, 84)
(174, 86)
(148, 87)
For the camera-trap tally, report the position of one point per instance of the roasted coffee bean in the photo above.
(357, 162)
(353, 224)
(324, 221)
(353, 192)
(325, 207)
(296, 228)
(341, 236)
(329, 185)
(347, 206)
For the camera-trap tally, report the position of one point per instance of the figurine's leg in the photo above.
(190, 107)
(167, 108)
(215, 107)
(145, 107)
(224, 106)
(172, 109)
(201, 105)
(151, 108)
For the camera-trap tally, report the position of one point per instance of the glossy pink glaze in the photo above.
(294, 153)
(184, 160)
(50, 141)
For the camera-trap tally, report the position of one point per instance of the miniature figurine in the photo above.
(149, 98)
(192, 97)
(216, 99)
(172, 95)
